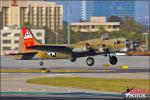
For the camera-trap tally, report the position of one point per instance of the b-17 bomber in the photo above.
(32, 49)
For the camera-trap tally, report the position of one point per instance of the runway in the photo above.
(14, 87)
(131, 61)
(64, 96)
(15, 82)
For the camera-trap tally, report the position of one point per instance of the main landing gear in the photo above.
(72, 58)
(41, 63)
(90, 61)
(112, 59)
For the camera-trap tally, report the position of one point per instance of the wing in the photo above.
(52, 48)
(25, 53)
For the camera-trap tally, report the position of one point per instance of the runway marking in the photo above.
(19, 90)
(60, 75)
(43, 90)
(5, 73)
(10, 79)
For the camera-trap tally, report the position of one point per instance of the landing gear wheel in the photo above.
(41, 63)
(113, 60)
(90, 61)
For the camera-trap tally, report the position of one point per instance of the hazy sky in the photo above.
(141, 10)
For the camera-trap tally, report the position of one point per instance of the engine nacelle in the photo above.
(83, 48)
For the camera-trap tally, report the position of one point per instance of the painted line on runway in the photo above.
(60, 75)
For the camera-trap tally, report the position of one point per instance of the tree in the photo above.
(101, 31)
(130, 29)
(27, 24)
(130, 25)
(62, 36)
(114, 18)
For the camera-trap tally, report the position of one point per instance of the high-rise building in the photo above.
(83, 5)
(107, 8)
(37, 13)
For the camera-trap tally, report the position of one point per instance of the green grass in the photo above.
(100, 84)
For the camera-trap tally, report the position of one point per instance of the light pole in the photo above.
(68, 15)
(1, 21)
(146, 40)
(56, 37)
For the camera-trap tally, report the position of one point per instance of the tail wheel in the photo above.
(113, 60)
(90, 61)
(72, 58)
(41, 63)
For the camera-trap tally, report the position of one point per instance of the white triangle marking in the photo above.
(27, 35)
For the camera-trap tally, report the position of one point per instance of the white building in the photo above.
(94, 25)
(10, 39)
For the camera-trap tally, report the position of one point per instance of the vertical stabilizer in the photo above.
(27, 39)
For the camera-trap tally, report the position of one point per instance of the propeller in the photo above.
(128, 43)
(133, 44)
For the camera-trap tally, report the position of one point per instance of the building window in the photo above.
(80, 27)
(6, 48)
(6, 34)
(7, 41)
(115, 26)
(16, 34)
(93, 26)
(84, 27)
(16, 41)
(38, 34)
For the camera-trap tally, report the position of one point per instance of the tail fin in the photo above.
(27, 39)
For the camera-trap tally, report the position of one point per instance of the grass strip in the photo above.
(100, 84)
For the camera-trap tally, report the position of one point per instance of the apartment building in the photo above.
(37, 13)
(94, 25)
(10, 39)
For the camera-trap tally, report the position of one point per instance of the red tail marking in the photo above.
(28, 37)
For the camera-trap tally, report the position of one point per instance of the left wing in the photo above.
(52, 48)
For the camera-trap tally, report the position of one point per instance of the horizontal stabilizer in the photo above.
(26, 53)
